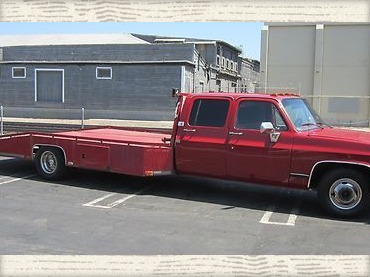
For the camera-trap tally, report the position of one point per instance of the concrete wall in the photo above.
(290, 58)
(346, 72)
(250, 76)
(329, 64)
(208, 52)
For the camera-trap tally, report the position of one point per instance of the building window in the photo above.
(201, 86)
(103, 73)
(236, 67)
(218, 60)
(19, 72)
(223, 62)
(227, 64)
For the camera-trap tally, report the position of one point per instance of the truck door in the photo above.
(251, 155)
(201, 141)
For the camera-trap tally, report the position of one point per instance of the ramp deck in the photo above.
(107, 149)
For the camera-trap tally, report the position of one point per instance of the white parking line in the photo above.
(290, 222)
(15, 180)
(115, 203)
(6, 177)
(92, 203)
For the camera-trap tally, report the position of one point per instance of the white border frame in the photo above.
(104, 78)
(52, 70)
(19, 67)
(303, 11)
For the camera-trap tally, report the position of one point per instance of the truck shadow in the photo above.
(226, 194)
(231, 195)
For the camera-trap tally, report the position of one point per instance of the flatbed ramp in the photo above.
(109, 149)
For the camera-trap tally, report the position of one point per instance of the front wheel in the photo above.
(50, 163)
(344, 192)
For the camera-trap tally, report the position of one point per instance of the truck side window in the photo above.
(209, 112)
(252, 113)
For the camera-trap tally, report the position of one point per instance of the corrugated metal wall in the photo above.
(134, 92)
(140, 88)
(133, 52)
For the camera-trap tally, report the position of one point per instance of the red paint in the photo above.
(105, 149)
(243, 154)
(202, 150)
(329, 144)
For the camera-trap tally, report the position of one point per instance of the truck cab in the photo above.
(272, 139)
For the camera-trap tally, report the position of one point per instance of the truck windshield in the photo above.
(301, 114)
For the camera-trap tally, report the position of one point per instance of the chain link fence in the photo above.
(20, 117)
(337, 110)
(345, 111)
(15, 119)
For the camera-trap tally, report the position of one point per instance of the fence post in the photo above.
(82, 118)
(2, 120)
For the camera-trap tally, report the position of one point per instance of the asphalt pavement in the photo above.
(98, 213)
(168, 221)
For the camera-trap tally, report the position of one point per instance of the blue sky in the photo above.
(246, 35)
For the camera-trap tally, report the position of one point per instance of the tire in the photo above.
(344, 192)
(50, 163)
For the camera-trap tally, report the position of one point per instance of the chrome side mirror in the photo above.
(268, 128)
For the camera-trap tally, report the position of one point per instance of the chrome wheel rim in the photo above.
(345, 194)
(48, 162)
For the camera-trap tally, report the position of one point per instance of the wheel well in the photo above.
(37, 147)
(320, 170)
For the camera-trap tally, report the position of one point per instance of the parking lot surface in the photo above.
(99, 213)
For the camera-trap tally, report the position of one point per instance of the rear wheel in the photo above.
(344, 192)
(50, 163)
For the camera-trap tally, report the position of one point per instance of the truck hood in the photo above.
(341, 134)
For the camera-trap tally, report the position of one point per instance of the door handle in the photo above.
(189, 130)
(235, 133)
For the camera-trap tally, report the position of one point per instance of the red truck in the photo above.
(257, 138)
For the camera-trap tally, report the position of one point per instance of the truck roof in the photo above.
(277, 96)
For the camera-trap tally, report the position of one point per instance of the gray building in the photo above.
(127, 76)
(329, 64)
(250, 76)
(217, 63)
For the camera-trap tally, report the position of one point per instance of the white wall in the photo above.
(328, 64)
(290, 58)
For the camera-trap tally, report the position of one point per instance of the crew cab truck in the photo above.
(257, 138)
